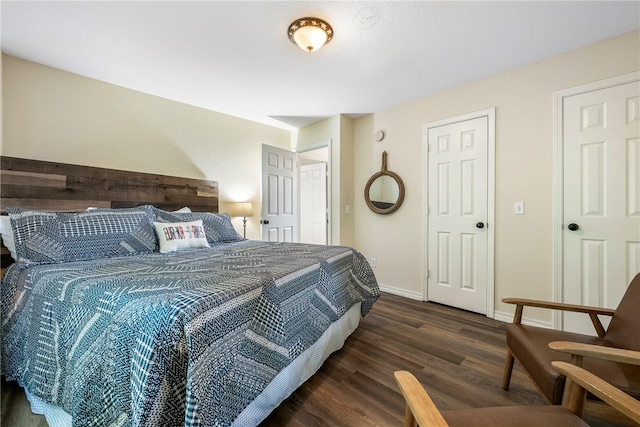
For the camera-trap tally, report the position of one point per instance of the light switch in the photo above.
(347, 209)
(518, 208)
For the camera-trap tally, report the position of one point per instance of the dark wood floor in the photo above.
(458, 356)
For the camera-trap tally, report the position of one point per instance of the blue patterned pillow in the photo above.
(48, 237)
(26, 223)
(217, 227)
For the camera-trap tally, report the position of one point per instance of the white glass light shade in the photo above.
(310, 38)
(310, 34)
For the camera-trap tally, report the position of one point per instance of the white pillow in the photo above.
(174, 236)
(186, 209)
(7, 235)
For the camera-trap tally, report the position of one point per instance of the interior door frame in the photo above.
(490, 113)
(321, 144)
(558, 181)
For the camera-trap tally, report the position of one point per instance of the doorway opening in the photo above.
(314, 178)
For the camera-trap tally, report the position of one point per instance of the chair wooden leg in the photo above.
(508, 369)
(574, 398)
(568, 385)
(409, 419)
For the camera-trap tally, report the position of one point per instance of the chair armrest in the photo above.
(559, 306)
(600, 388)
(613, 354)
(593, 312)
(420, 407)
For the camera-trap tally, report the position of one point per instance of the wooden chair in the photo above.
(420, 409)
(530, 345)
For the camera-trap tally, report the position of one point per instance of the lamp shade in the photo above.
(243, 209)
(310, 34)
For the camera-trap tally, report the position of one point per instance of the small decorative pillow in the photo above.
(218, 227)
(7, 235)
(48, 237)
(174, 236)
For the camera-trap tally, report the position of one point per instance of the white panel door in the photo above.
(313, 203)
(458, 212)
(601, 223)
(279, 195)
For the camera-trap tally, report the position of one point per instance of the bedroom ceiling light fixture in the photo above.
(310, 34)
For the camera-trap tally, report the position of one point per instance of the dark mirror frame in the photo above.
(396, 177)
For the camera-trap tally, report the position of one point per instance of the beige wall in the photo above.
(62, 117)
(524, 168)
(347, 220)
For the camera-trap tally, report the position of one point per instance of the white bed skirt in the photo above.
(285, 383)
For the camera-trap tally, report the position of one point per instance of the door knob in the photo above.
(264, 221)
(480, 225)
(573, 226)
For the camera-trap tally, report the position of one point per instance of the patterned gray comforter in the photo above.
(187, 338)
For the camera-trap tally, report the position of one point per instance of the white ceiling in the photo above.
(235, 57)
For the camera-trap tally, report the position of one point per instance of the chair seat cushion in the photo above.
(530, 346)
(520, 416)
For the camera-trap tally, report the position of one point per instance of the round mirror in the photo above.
(384, 191)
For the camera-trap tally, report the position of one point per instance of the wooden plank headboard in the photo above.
(61, 187)
(37, 184)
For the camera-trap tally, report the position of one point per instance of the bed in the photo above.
(107, 320)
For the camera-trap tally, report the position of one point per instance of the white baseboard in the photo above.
(507, 317)
(401, 292)
(502, 316)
